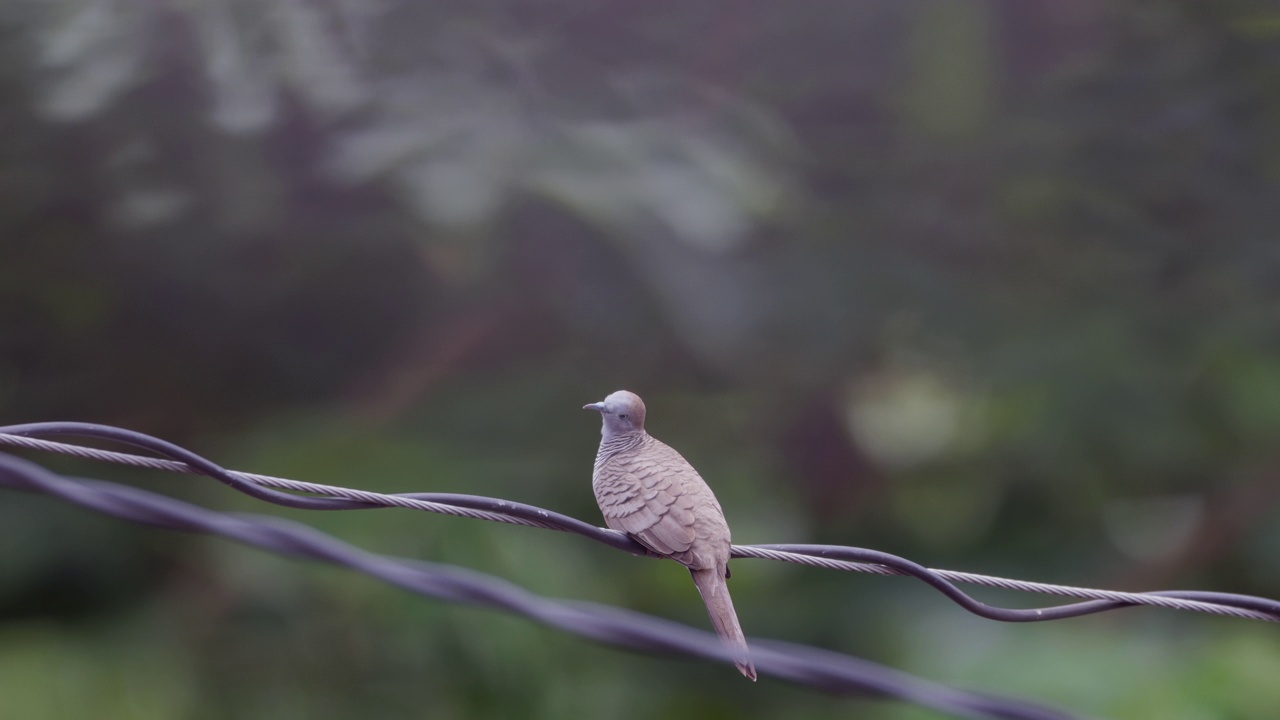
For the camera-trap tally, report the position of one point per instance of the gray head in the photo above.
(622, 412)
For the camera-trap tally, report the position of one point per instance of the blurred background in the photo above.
(990, 284)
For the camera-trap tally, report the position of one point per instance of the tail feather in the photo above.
(715, 593)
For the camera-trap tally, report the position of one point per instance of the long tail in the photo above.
(715, 593)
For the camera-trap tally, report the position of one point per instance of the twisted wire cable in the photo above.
(832, 557)
(822, 669)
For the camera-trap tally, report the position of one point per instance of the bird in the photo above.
(650, 492)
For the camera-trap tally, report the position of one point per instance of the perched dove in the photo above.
(647, 490)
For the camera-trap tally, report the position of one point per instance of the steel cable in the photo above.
(834, 557)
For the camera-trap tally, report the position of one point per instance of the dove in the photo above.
(649, 491)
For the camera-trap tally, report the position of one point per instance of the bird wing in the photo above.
(653, 499)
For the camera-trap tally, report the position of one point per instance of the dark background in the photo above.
(993, 285)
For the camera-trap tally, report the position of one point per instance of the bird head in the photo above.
(622, 413)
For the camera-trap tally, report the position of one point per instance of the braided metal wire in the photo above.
(1112, 596)
(364, 496)
(496, 510)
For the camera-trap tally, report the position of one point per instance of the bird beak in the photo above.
(598, 407)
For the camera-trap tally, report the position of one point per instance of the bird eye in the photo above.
(623, 416)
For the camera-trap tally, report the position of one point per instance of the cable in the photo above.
(816, 668)
(832, 557)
